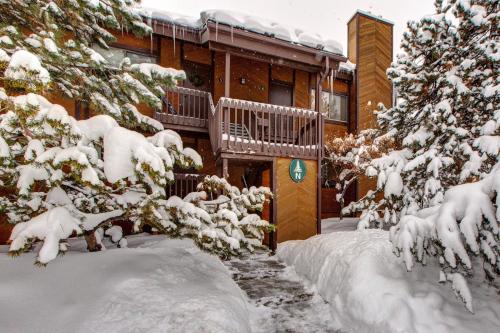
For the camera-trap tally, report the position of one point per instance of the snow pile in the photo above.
(369, 290)
(271, 28)
(334, 224)
(155, 285)
(347, 66)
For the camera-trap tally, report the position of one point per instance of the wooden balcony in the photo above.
(185, 109)
(244, 127)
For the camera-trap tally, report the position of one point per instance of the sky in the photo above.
(327, 17)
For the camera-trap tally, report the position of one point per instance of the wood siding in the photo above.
(339, 86)
(374, 57)
(370, 47)
(196, 53)
(129, 40)
(296, 202)
(168, 56)
(333, 130)
(219, 69)
(281, 73)
(301, 90)
(351, 37)
(256, 75)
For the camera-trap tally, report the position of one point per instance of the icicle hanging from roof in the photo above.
(151, 41)
(331, 81)
(173, 35)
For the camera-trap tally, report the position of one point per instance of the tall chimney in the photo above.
(370, 48)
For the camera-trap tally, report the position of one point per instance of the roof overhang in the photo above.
(220, 37)
(266, 45)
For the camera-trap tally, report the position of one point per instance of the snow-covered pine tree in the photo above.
(59, 36)
(446, 86)
(447, 126)
(60, 176)
(63, 176)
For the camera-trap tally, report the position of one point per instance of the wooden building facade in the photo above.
(253, 104)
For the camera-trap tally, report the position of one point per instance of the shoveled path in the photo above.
(282, 302)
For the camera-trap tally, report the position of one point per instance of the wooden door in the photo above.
(280, 94)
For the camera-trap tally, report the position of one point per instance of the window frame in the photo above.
(129, 50)
(327, 113)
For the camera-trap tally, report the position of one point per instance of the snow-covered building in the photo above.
(259, 95)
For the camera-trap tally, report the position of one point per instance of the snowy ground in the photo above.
(342, 281)
(369, 290)
(333, 224)
(281, 302)
(157, 285)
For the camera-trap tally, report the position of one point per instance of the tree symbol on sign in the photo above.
(297, 170)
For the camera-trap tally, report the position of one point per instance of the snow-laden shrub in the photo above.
(235, 212)
(53, 166)
(65, 176)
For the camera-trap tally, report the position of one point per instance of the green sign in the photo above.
(297, 170)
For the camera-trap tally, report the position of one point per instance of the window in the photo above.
(333, 106)
(114, 56)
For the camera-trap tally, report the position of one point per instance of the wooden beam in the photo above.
(319, 81)
(227, 75)
(267, 45)
(242, 53)
(225, 169)
(246, 157)
(274, 208)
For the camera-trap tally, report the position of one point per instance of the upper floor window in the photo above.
(115, 55)
(333, 106)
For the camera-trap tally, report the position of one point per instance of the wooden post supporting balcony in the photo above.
(225, 169)
(227, 75)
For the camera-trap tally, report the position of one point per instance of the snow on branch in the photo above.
(51, 227)
(465, 224)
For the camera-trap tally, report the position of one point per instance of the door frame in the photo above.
(283, 84)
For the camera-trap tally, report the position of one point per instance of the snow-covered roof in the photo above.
(246, 22)
(169, 17)
(347, 66)
(370, 14)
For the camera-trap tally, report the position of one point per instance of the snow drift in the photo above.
(156, 285)
(369, 289)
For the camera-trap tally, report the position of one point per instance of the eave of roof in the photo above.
(247, 40)
(193, 26)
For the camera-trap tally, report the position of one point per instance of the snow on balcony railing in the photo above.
(265, 129)
(239, 126)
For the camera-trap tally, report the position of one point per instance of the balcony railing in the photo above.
(183, 107)
(238, 126)
(183, 184)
